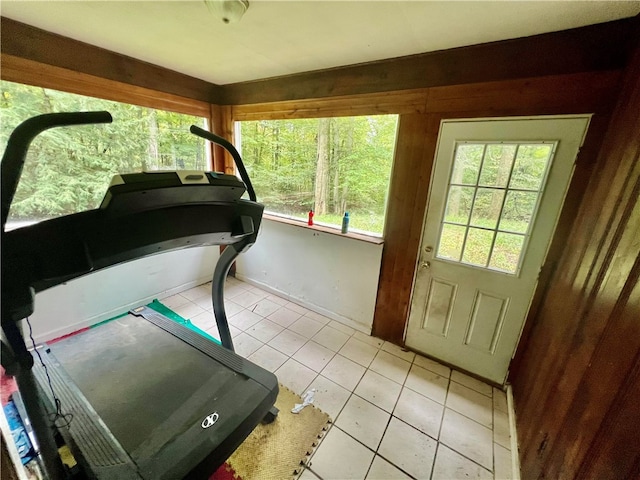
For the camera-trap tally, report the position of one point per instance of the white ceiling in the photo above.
(283, 37)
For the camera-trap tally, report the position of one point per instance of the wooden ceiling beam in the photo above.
(30, 43)
(604, 46)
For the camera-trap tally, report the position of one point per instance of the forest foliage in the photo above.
(69, 169)
(328, 165)
(492, 199)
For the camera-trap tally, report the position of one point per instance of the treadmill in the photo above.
(148, 397)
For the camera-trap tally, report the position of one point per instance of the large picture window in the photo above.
(69, 169)
(328, 165)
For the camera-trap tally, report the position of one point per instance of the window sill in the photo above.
(323, 229)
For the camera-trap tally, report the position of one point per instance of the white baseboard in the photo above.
(303, 303)
(515, 455)
(66, 330)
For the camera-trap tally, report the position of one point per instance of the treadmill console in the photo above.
(135, 192)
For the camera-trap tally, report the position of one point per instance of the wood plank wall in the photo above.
(577, 382)
(417, 137)
(592, 48)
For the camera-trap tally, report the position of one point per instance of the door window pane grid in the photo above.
(485, 229)
(485, 187)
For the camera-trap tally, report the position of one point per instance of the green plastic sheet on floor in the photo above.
(167, 312)
(170, 314)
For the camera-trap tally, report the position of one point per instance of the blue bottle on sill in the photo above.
(345, 222)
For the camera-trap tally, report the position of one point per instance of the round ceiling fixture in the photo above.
(229, 11)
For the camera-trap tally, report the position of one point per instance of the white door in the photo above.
(496, 192)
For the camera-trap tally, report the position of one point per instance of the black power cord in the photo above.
(59, 418)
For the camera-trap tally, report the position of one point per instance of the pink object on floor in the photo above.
(8, 385)
(225, 472)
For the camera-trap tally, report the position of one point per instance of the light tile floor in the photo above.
(396, 414)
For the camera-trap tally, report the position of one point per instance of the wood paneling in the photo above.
(222, 125)
(417, 137)
(576, 93)
(591, 91)
(406, 101)
(582, 174)
(415, 148)
(16, 69)
(47, 48)
(592, 48)
(577, 380)
(612, 454)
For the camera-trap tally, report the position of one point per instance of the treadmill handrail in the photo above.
(15, 153)
(212, 137)
(95, 240)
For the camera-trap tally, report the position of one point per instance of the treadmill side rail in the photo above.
(99, 450)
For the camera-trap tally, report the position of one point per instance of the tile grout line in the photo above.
(394, 465)
(450, 408)
(466, 458)
(453, 449)
(352, 393)
(374, 452)
(391, 414)
(333, 421)
(444, 409)
(402, 385)
(323, 367)
(435, 456)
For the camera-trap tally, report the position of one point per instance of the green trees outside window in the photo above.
(493, 195)
(328, 165)
(69, 169)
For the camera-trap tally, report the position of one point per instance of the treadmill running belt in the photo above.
(154, 391)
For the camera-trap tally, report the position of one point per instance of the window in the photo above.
(68, 169)
(494, 191)
(328, 165)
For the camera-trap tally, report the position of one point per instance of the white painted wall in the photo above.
(102, 295)
(331, 274)
(334, 275)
